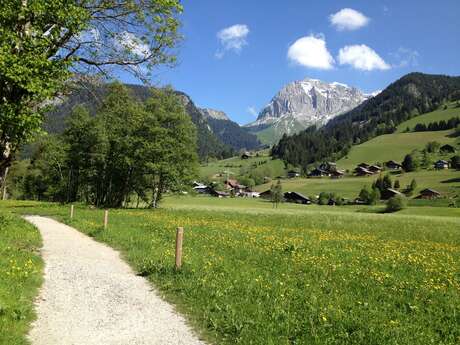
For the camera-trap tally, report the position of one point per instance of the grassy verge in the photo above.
(20, 276)
(316, 278)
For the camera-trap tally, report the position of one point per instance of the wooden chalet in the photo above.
(266, 195)
(447, 149)
(328, 166)
(292, 174)
(389, 193)
(428, 194)
(392, 165)
(337, 174)
(364, 165)
(219, 194)
(375, 169)
(296, 198)
(361, 171)
(317, 172)
(441, 164)
(246, 155)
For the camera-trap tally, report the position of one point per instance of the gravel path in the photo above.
(90, 296)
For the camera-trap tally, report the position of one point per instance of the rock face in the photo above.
(304, 103)
(214, 114)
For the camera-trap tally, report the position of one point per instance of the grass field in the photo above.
(316, 278)
(434, 116)
(20, 276)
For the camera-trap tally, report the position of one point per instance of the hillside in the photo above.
(408, 97)
(391, 147)
(234, 166)
(451, 110)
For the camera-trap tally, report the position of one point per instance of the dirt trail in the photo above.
(90, 296)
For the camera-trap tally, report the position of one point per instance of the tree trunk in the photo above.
(4, 183)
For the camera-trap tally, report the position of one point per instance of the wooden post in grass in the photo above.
(71, 212)
(106, 218)
(179, 239)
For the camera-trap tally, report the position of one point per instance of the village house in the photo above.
(318, 173)
(266, 195)
(246, 155)
(328, 166)
(296, 198)
(219, 194)
(392, 165)
(389, 193)
(363, 165)
(375, 169)
(292, 174)
(428, 194)
(447, 149)
(361, 171)
(337, 174)
(234, 186)
(441, 164)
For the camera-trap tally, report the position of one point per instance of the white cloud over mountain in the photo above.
(348, 19)
(311, 51)
(232, 38)
(361, 57)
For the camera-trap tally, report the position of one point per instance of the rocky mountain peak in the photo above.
(214, 114)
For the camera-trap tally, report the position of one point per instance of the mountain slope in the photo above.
(229, 132)
(90, 96)
(304, 103)
(413, 94)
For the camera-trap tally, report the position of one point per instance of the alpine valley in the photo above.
(302, 104)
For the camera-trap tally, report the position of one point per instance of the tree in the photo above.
(396, 203)
(432, 147)
(276, 193)
(410, 163)
(43, 43)
(455, 162)
(397, 184)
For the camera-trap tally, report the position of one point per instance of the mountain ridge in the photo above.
(303, 103)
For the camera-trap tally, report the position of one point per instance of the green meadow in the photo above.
(255, 275)
(21, 271)
(435, 116)
(392, 147)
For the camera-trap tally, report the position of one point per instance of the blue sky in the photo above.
(235, 53)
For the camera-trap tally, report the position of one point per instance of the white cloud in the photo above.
(311, 51)
(361, 57)
(129, 41)
(232, 38)
(405, 57)
(348, 19)
(252, 110)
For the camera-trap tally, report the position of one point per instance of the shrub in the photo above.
(396, 203)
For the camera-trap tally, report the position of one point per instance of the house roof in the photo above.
(393, 191)
(441, 161)
(429, 191)
(296, 195)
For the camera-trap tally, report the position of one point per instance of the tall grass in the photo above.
(20, 276)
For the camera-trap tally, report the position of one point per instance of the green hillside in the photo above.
(392, 146)
(235, 166)
(444, 181)
(451, 111)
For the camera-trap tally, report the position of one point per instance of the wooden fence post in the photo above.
(179, 239)
(106, 218)
(71, 212)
